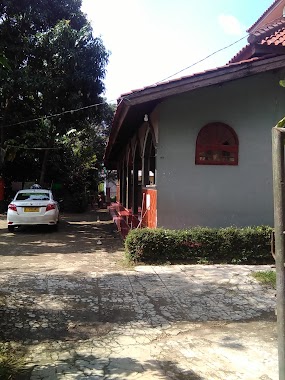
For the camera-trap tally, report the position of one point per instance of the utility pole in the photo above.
(278, 138)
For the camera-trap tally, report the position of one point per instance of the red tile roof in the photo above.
(241, 55)
(176, 81)
(277, 38)
(272, 34)
(267, 32)
(125, 95)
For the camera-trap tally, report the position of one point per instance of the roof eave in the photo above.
(211, 77)
(119, 118)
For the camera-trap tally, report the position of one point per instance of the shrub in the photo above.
(11, 362)
(200, 244)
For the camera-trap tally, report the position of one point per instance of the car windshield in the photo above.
(32, 197)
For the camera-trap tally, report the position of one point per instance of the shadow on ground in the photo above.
(77, 233)
(121, 367)
(61, 306)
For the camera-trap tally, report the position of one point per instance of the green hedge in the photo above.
(233, 245)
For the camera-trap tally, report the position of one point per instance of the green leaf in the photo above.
(4, 62)
(282, 82)
(281, 123)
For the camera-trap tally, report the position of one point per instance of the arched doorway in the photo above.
(130, 179)
(137, 180)
(149, 161)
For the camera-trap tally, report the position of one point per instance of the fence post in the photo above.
(278, 135)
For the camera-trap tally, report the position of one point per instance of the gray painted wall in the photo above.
(219, 196)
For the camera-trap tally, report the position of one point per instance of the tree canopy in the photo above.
(56, 68)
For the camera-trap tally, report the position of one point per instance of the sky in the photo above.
(150, 40)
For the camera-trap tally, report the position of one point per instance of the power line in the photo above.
(201, 60)
(123, 98)
(53, 115)
(26, 148)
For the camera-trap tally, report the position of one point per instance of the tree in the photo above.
(4, 62)
(20, 22)
(70, 66)
(57, 66)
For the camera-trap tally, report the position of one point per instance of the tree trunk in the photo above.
(44, 166)
(46, 155)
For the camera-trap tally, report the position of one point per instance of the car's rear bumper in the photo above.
(47, 219)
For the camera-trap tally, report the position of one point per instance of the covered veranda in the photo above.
(136, 190)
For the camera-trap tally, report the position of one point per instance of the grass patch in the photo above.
(11, 362)
(267, 277)
(126, 263)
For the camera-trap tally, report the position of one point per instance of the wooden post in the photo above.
(135, 185)
(278, 135)
(129, 187)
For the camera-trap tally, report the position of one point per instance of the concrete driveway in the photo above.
(81, 313)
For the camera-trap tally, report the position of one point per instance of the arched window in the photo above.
(217, 144)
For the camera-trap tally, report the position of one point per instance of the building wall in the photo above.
(219, 196)
(112, 185)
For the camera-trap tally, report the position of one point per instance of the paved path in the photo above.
(82, 314)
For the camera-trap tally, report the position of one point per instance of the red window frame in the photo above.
(217, 144)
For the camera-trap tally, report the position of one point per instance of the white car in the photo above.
(32, 207)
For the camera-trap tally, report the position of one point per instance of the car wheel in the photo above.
(11, 228)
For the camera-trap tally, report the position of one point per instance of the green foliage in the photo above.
(56, 66)
(11, 362)
(267, 277)
(281, 123)
(4, 62)
(200, 244)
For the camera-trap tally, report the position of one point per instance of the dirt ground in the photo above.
(78, 234)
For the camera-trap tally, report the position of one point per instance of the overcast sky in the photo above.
(150, 40)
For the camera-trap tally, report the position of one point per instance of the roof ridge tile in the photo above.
(270, 27)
